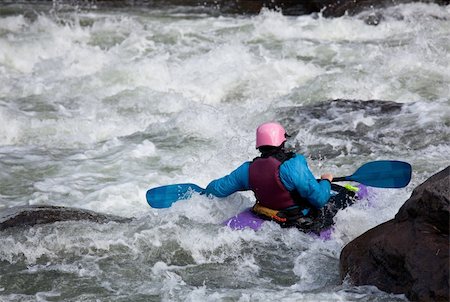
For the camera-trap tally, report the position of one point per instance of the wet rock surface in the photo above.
(410, 253)
(28, 216)
(328, 8)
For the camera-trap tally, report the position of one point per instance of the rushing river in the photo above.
(97, 106)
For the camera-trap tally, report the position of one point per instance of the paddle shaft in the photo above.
(381, 174)
(343, 178)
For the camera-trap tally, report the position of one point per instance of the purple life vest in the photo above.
(265, 182)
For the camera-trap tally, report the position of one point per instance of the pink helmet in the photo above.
(270, 134)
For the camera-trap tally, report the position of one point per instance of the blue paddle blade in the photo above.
(163, 197)
(382, 174)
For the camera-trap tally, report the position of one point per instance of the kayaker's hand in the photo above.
(328, 176)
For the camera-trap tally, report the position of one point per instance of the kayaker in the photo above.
(285, 188)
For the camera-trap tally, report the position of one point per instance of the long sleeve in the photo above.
(237, 180)
(296, 175)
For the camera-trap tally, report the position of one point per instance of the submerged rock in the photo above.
(365, 125)
(410, 253)
(28, 216)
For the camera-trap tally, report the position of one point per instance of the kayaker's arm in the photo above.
(237, 180)
(296, 175)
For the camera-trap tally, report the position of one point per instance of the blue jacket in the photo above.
(294, 174)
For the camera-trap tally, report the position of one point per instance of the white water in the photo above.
(97, 106)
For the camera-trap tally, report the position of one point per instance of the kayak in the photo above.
(341, 197)
(378, 174)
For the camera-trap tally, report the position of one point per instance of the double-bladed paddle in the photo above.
(380, 174)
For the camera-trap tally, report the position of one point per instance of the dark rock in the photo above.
(374, 18)
(331, 119)
(410, 253)
(333, 8)
(28, 216)
(329, 8)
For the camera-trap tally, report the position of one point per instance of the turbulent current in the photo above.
(99, 105)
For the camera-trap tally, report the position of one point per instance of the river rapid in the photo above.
(99, 105)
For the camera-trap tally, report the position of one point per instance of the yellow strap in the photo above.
(351, 188)
(264, 211)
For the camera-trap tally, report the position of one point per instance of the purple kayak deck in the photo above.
(246, 219)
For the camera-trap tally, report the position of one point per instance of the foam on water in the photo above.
(226, 71)
(97, 107)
